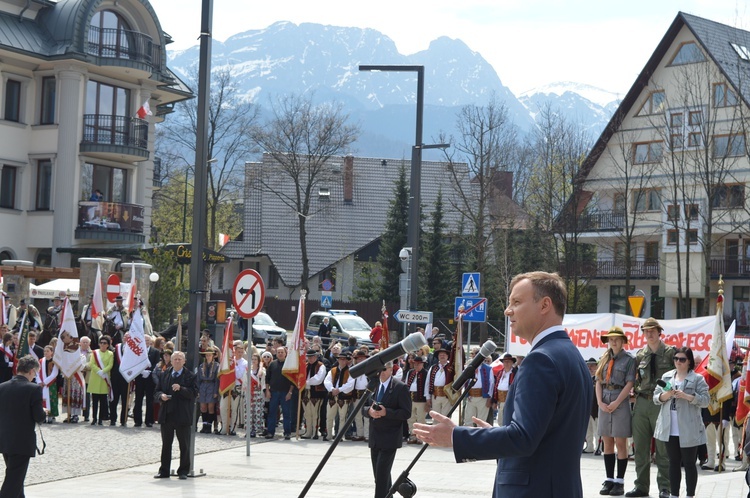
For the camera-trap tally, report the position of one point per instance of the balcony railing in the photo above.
(735, 267)
(105, 129)
(112, 216)
(614, 270)
(601, 221)
(113, 43)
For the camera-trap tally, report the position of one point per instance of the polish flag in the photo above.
(144, 110)
(97, 303)
(223, 239)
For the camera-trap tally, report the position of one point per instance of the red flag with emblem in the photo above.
(385, 339)
(227, 377)
(715, 367)
(294, 364)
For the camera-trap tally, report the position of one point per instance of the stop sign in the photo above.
(113, 288)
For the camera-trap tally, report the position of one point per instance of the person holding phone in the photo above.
(681, 393)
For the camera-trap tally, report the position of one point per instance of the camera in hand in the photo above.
(377, 406)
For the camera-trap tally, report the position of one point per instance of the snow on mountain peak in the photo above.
(591, 93)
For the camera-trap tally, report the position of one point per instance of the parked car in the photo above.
(344, 324)
(265, 328)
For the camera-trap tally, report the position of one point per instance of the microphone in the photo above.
(487, 349)
(374, 364)
(664, 385)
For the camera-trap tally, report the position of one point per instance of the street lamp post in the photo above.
(184, 212)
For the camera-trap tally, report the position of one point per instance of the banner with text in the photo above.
(585, 330)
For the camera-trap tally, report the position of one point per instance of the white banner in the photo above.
(585, 330)
(135, 352)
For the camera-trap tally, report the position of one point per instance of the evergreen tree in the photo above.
(436, 279)
(394, 239)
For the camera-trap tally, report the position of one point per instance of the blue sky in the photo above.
(530, 43)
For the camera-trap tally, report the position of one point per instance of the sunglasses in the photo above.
(681, 359)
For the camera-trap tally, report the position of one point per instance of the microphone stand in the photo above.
(372, 382)
(410, 488)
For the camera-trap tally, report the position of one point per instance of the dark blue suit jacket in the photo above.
(544, 425)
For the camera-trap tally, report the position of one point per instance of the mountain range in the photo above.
(289, 58)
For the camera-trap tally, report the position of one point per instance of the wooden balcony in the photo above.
(615, 270)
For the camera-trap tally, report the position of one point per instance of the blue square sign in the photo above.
(475, 308)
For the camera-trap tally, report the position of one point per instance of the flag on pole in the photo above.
(23, 340)
(135, 353)
(227, 376)
(743, 395)
(66, 356)
(715, 367)
(385, 339)
(133, 290)
(144, 110)
(294, 365)
(223, 239)
(97, 303)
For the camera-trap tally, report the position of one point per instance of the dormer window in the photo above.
(109, 35)
(324, 193)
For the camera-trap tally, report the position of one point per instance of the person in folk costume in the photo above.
(314, 393)
(99, 387)
(440, 375)
(238, 393)
(118, 315)
(33, 320)
(503, 380)
(615, 377)
(10, 313)
(482, 394)
(6, 354)
(47, 378)
(208, 387)
(255, 421)
(76, 383)
(340, 385)
(84, 347)
(53, 316)
(35, 349)
(416, 381)
(120, 386)
(361, 423)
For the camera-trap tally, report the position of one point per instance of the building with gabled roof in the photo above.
(82, 84)
(662, 194)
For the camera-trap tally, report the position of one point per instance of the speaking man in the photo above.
(538, 447)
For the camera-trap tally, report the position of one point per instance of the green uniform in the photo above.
(650, 366)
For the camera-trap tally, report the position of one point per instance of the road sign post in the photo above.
(248, 293)
(113, 288)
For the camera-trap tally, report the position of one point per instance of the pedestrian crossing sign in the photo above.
(326, 301)
(470, 284)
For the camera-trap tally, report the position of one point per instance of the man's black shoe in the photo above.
(287, 437)
(183, 477)
(664, 493)
(136, 425)
(315, 436)
(269, 436)
(606, 487)
(636, 492)
(161, 476)
(149, 425)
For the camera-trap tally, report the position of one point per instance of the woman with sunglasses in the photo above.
(679, 425)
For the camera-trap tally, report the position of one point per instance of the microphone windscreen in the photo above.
(487, 349)
(661, 383)
(414, 341)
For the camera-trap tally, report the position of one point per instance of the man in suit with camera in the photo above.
(20, 410)
(176, 392)
(388, 409)
(538, 446)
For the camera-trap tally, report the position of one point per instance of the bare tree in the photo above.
(301, 137)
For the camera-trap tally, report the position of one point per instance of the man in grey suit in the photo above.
(20, 410)
(388, 408)
(538, 447)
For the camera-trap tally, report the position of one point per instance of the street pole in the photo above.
(197, 277)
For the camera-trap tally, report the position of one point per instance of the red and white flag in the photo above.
(743, 395)
(223, 239)
(69, 359)
(97, 303)
(144, 110)
(294, 365)
(133, 290)
(227, 376)
(715, 366)
(135, 353)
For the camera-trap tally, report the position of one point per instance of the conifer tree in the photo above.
(394, 239)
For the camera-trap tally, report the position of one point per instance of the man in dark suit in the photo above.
(538, 447)
(20, 410)
(176, 392)
(388, 409)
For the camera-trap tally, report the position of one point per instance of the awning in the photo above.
(54, 289)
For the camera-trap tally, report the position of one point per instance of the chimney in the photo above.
(503, 183)
(349, 179)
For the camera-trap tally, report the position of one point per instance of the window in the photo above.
(696, 118)
(728, 196)
(44, 185)
(724, 96)
(657, 303)
(619, 203)
(648, 152)
(107, 114)
(688, 53)
(646, 200)
(673, 212)
(47, 108)
(692, 236)
(8, 179)
(13, 100)
(113, 182)
(273, 277)
(673, 237)
(729, 145)
(651, 252)
(691, 212)
(741, 297)
(742, 51)
(654, 104)
(109, 36)
(685, 128)
(618, 296)
(621, 251)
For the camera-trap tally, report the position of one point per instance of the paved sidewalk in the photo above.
(280, 469)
